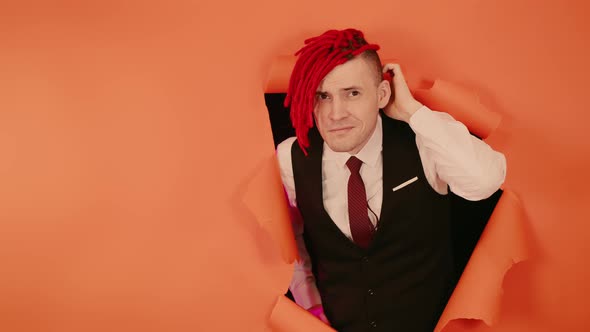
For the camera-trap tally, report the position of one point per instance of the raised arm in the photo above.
(449, 153)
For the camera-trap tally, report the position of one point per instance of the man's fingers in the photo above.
(392, 66)
(398, 75)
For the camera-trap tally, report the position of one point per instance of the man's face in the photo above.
(347, 104)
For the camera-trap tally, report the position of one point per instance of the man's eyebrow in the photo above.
(343, 89)
(352, 88)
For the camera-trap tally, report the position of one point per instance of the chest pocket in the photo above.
(414, 211)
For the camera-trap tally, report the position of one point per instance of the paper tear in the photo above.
(462, 103)
(286, 316)
(502, 244)
(272, 214)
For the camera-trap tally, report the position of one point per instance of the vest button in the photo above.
(371, 291)
(365, 259)
(373, 324)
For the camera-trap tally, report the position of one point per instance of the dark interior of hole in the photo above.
(468, 218)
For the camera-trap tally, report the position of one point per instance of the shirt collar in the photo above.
(369, 154)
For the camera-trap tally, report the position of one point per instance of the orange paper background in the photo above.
(130, 133)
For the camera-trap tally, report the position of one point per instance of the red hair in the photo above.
(316, 59)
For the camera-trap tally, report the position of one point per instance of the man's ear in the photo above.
(383, 93)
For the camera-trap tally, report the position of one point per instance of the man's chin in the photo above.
(340, 147)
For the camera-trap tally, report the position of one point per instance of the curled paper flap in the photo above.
(463, 104)
(286, 316)
(280, 72)
(272, 214)
(502, 244)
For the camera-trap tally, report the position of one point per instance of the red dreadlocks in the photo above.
(316, 59)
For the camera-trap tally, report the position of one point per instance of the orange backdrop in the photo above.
(131, 134)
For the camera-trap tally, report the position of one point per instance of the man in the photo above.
(368, 190)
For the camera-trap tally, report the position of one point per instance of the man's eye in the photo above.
(354, 93)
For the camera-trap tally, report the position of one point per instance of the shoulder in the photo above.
(285, 167)
(284, 148)
(284, 154)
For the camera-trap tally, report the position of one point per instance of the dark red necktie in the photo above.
(358, 213)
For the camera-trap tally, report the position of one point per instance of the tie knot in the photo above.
(354, 164)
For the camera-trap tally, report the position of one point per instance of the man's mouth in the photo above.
(340, 130)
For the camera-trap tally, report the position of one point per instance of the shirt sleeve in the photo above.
(452, 156)
(303, 286)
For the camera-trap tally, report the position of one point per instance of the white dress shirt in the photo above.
(450, 155)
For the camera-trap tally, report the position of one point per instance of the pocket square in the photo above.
(410, 181)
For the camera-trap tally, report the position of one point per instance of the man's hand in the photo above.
(318, 311)
(402, 104)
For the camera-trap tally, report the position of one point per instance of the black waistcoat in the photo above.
(402, 281)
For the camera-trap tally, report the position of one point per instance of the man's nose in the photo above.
(338, 109)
